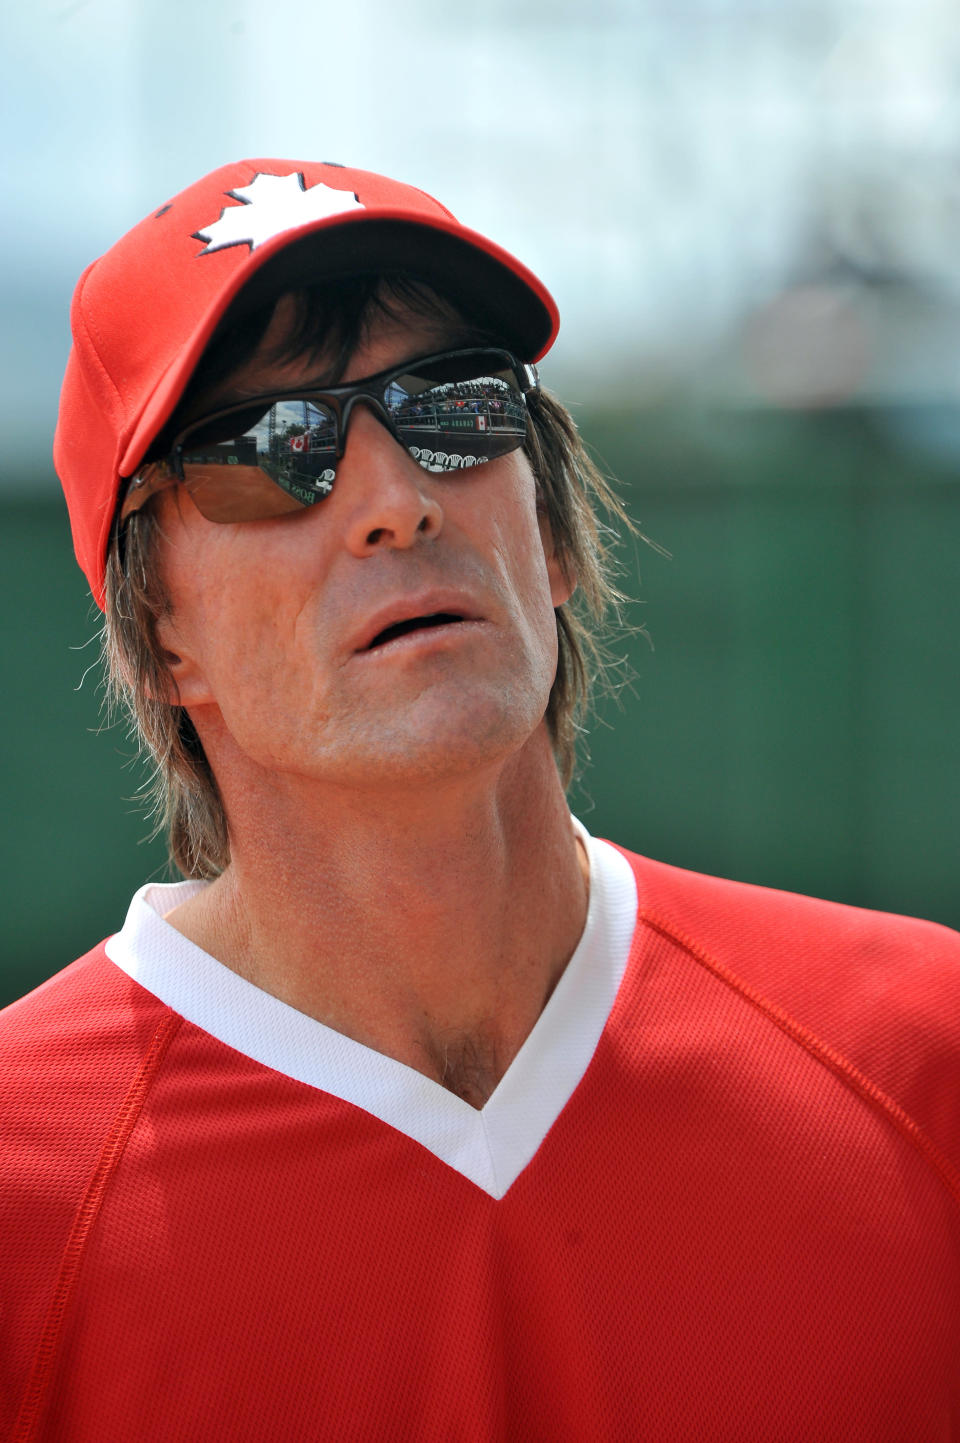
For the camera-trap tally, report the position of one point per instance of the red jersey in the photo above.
(715, 1197)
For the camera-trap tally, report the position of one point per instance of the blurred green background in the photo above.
(792, 725)
(748, 213)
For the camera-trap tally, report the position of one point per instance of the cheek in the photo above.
(509, 508)
(524, 559)
(244, 625)
(230, 598)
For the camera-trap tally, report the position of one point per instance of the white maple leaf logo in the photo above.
(271, 205)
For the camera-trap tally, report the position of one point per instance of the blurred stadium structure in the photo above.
(747, 200)
(749, 212)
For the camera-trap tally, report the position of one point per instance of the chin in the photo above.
(438, 743)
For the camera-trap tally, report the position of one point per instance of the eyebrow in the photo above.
(468, 339)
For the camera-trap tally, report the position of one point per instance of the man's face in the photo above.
(279, 626)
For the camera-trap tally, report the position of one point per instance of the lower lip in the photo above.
(426, 639)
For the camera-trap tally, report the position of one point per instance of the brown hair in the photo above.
(183, 790)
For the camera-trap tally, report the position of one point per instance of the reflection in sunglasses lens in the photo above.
(454, 414)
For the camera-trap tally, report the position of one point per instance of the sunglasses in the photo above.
(279, 452)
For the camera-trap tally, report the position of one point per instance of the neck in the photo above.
(431, 926)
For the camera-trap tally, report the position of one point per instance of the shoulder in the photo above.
(76, 1058)
(749, 918)
(70, 1054)
(90, 1015)
(801, 946)
(879, 992)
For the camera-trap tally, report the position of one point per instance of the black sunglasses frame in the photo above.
(169, 471)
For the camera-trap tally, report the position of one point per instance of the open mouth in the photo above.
(412, 623)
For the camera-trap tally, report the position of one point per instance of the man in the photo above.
(415, 1112)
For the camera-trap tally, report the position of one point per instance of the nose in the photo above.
(387, 496)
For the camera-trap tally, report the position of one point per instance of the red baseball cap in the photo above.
(144, 312)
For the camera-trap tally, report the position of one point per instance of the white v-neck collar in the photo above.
(490, 1146)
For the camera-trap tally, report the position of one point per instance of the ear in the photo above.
(563, 583)
(186, 682)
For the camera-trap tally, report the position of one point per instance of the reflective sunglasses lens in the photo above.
(252, 464)
(452, 412)
(459, 411)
